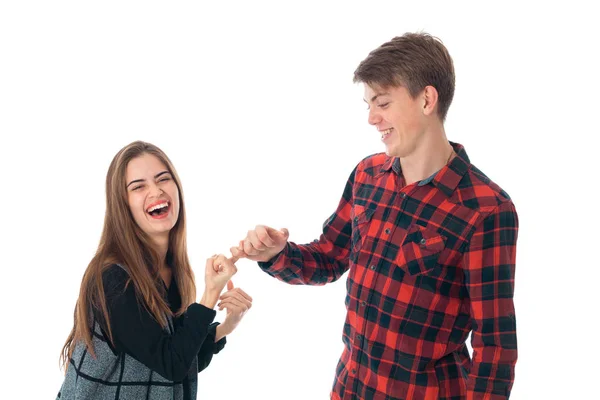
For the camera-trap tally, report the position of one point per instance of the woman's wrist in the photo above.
(221, 331)
(210, 297)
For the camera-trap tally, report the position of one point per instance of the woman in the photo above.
(138, 333)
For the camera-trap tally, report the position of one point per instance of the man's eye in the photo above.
(384, 105)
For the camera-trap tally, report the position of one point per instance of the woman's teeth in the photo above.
(157, 208)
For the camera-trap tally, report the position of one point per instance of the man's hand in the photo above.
(261, 244)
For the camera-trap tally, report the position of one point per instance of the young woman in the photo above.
(138, 332)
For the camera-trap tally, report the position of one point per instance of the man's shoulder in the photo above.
(372, 164)
(479, 192)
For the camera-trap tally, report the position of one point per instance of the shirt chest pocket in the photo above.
(420, 250)
(360, 228)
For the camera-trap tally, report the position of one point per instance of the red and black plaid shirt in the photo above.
(428, 262)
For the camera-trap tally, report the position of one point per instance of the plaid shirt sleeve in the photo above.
(324, 260)
(489, 265)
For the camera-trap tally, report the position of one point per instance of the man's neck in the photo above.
(430, 155)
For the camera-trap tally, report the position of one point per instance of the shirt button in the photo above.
(358, 337)
(363, 303)
(372, 267)
(355, 219)
(353, 371)
(423, 241)
(403, 195)
(387, 231)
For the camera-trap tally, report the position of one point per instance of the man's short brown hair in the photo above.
(413, 60)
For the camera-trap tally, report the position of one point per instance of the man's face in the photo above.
(397, 116)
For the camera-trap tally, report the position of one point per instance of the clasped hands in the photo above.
(261, 244)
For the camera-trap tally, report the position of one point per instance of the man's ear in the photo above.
(430, 100)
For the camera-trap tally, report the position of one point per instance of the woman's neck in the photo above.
(161, 246)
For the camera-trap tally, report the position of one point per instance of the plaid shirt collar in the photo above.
(447, 178)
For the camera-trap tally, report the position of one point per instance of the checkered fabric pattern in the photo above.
(428, 263)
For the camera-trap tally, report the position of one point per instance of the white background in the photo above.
(255, 105)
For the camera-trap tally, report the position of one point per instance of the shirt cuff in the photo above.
(212, 333)
(266, 265)
(200, 315)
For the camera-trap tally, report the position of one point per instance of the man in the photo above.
(428, 240)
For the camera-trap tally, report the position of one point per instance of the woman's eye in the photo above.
(165, 179)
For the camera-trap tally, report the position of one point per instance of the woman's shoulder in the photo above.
(115, 279)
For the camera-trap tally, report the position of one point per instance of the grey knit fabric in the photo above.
(119, 376)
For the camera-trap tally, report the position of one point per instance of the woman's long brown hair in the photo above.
(123, 242)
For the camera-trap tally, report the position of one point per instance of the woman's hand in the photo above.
(237, 303)
(219, 270)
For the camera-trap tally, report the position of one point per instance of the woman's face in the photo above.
(152, 195)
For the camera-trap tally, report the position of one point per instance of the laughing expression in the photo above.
(152, 195)
(398, 118)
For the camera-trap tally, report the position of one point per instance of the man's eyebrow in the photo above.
(376, 96)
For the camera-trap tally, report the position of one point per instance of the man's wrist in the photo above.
(273, 257)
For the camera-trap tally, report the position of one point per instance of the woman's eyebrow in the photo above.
(143, 180)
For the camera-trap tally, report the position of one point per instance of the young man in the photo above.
(429, 242)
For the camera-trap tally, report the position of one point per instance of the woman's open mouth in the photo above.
(159, 210)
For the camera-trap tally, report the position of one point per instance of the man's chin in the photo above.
(391, 152)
